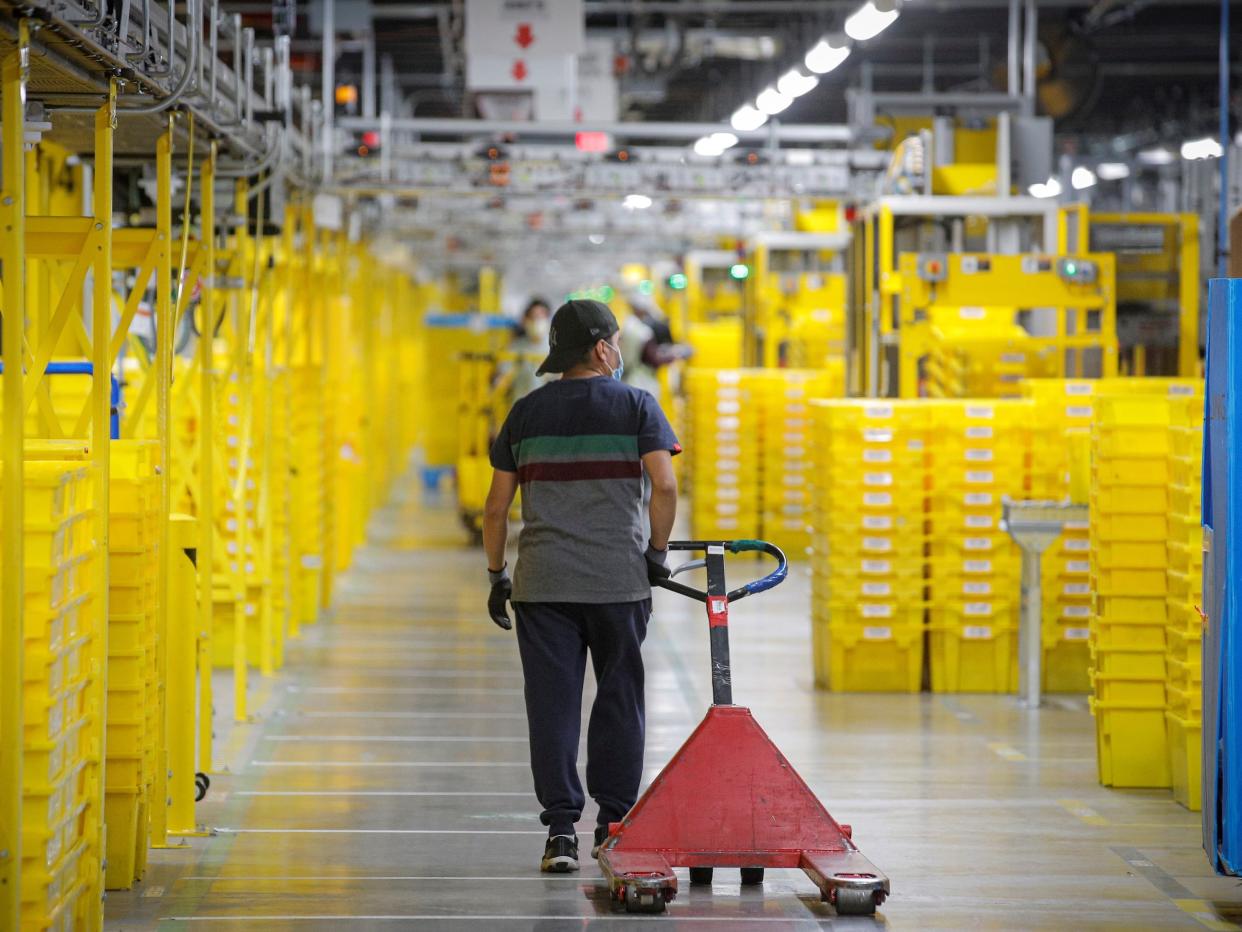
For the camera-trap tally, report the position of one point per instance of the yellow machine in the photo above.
(1158, 291)
(712, 290)
(974, 325)
(795, 299)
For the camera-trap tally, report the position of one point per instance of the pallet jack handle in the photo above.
(717, 598)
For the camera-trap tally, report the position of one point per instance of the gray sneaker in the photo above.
(560, 855)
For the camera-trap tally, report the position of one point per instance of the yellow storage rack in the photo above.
(978, 456)
(723, 439)
(869, 497)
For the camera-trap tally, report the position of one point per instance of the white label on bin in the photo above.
(1077, 544)
(727, 377)
(794, 480)
(882, 544)
(1077, 588)
(980, 411)
(729, 509)
(976, 566)
(979, 476)
(878, 411)
(976, 632)
(728, 407)
(794, 452)
(877, 566)
(1076, 634)
(725, 493)
(877, 588)
(877, 478)
(878, 435)
(873, 610)
(977, 608)
(793, 510)
(1076, 611)
(1013, 357)
(978, 498)
(971, 313)
(728, 465)
(1078, 388)
(1183, 391)
(976, 588)
(979, 455)
(877, 634)
(878, 522)
(978, 543)
(312, 561)
(877, 456)
(1077, 525)
(979, 521)
(1077, 566)
(979, 433)
(914, 445)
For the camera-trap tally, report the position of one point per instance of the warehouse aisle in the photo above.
(385, 782)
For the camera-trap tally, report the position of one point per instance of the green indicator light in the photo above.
(1071, 268)
(646, 286)
(677, 281)
(740, 271)
(606, 293)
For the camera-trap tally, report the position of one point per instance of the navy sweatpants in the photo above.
(553, 638)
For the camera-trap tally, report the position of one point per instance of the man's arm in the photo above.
(496, 517)
(659, 466)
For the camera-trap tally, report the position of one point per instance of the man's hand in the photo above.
(502, 588)
(657, 565)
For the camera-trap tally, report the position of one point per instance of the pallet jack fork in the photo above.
(729, 797)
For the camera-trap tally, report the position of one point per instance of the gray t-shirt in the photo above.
(577, 447)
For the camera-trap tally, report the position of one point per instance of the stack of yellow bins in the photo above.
(1063, 409)
(62, 727)
(724, 447)
(868, 504)
(134, 711)
(784, 397)
(281, 453)
(1184, 631)
(237, 521)
(1129, 577)
(309, 482)
(978, 456)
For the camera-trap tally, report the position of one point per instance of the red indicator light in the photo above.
(591, 142)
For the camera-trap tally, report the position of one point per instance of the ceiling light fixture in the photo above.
(1112, 171)
(1082, 177)
(1050, 188)
(794, 83)
(747, 119)
(707, 148)
(871, 19)
(771, 101)
(1205, 148)
(825, 55)
(1157, 156)
(636, 202)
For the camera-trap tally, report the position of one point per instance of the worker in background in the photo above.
(579, 448)
(530, 343)
(647, 340)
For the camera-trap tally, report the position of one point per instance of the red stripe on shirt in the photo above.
(576, 472)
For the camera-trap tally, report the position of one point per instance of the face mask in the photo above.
(618, 372)
(538, 330)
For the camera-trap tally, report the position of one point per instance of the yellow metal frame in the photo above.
(1018, 282)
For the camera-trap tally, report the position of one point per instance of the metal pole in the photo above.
(1030, 644)
(206, 463)
(1015, 27)
(368, 77)
(1222, 230)
(328, 87)
(1029, 37)
(13, 258)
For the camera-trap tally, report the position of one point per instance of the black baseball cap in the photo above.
(576, 327)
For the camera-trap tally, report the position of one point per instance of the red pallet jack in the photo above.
(729, 798)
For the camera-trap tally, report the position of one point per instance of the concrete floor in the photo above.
(384, 783)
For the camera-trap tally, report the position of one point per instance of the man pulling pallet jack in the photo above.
(729, 798)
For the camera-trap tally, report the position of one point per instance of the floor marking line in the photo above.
(441, 917)
(1203, 913)
(1079, 809)
(404, 691)
(388, 763)
(381, 793)
(1006, 751)
(379, 831)
(507, 716)
(1199, 910)
(399, 739)
(542, 878)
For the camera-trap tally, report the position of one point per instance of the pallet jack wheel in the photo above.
(700, 876)
(644, 903)
(850, 902)
(752, 876)
(202, 783)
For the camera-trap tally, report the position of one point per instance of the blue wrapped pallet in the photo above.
(1222, 641)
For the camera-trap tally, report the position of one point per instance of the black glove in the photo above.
(657, 565)
(502, 588)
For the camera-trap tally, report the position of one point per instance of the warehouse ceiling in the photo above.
(1107, 67)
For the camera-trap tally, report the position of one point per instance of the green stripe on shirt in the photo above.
(586, 446)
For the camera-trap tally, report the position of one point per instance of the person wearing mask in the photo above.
(579, 448)
(530, 343)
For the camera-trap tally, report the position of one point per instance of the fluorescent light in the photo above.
(1156, 156)
(1112, 171)
(1050, 188)
(596, 239)
(1082, 177)
(771, 101)
(723, 140)
(636, 202)
(706, 148)
(747, 118)
(1205, 148)
(870, 20)
(824, 56)
(794, 83)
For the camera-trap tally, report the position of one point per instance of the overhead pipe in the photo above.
(213, 31)
(100, 12)
(146, 34)
(159, 70)
(248, 54)
(1029, 38)
(1223, 246)
(1015, 31)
